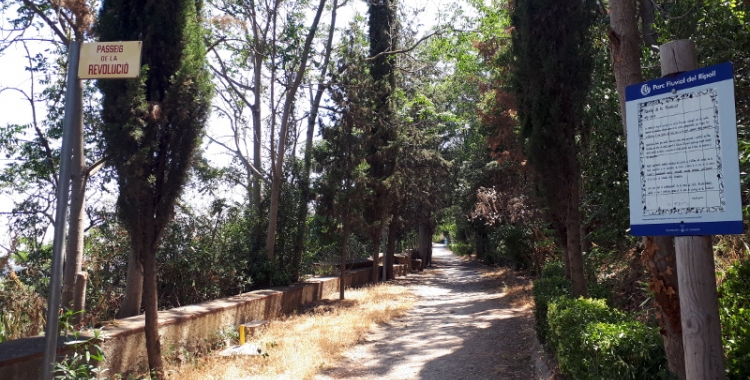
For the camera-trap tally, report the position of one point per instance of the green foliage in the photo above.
(195, 262)
(602, 154)
(462, 248)
(547, 289)
(511, 247)
(567, 319)
(626, 350)
(593, 341)
(554, 268)
(152, 125)
(734, 310)
(552, 68)
(87, 355)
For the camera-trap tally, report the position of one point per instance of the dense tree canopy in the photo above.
(354, 127)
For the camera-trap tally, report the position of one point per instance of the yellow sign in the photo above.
(110, 60)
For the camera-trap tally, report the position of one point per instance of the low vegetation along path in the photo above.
(468, 323)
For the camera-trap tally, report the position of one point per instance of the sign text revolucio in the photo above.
(110, 60)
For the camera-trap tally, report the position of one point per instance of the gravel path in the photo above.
(461, 327)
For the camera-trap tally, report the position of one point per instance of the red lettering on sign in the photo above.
(110, 48)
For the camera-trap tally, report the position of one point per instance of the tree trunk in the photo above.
(660, 260)
(80, 296)
(74, 245)
(659, 255)
(647, 22)
(150, 301)
(422, 232)
(376, 255)
(428, 242)
(131, 304)
(625, 45)
(573, 229)
(390, 250)
(305, 193)
(285, 120)
(344, 252)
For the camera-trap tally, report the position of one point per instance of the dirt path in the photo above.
(462, 327)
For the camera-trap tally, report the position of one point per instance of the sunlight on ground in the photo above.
(516, 289)
(300, 345)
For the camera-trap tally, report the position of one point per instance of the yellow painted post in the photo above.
(242, 335)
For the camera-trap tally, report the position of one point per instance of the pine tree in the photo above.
(152, 127)
(552, 69)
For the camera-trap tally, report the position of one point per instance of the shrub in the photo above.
(547, 289)
(511, 246)
(593, 341)
(567, 317)
(553, 268)
(626, 350)
(734, 310)
(461, 248)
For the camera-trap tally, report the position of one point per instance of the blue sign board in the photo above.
(683, 165)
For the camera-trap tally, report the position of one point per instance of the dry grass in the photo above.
(300, 345)
(517, 289)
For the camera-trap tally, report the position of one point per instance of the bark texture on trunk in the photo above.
(344, 253)
(131, 303)
(376, 259)
(390, 251)
(625, 45)
(422, 232)
(150, 302)
(659, 259)
(647, 22)
(573, 229)
(74, 245)
(286, 116)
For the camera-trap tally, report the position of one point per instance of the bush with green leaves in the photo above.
(553, 268)
(461, 248)
(734, 310)
(511, 246)
(551, 286)
(593, 341)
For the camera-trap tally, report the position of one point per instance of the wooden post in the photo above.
(699, 303)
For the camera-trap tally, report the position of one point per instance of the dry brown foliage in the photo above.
(83, 17)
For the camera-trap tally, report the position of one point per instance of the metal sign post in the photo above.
(61, 213)
(101, 60)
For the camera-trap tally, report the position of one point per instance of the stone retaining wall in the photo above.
(189, 327)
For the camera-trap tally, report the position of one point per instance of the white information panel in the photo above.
(683, 163)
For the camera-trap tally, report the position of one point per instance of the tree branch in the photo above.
(65, 40)
(406, 50)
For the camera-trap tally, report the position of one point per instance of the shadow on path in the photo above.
(462, 327)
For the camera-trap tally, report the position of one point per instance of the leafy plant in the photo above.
(87, 357)
(552, 285)
(461, 248)
(734, 310)
(593, 341)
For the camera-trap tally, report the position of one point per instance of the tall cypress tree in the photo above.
(381, 134)
(153, 125)
(552, 64)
